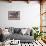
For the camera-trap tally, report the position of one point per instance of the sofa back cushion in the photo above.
(22, 31)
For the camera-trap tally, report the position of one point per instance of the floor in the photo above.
(35, 43)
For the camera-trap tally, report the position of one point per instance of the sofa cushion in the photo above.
(23, 31)
(22, 38)
(17, 30)
(11, 30)
(28, 31)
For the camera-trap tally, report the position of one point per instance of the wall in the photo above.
(29, 14)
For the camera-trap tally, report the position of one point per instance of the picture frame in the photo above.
(13, 15)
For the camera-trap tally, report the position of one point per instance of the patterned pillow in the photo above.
(11, 30)
(17, 30)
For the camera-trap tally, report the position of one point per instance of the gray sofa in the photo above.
(17, 35)
(22, 38)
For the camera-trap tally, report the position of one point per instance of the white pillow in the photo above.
(5, 32)
(23, 31)
(28, 31)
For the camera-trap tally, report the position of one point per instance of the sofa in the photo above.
(22, 34)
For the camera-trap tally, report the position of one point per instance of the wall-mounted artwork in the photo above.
(13, 15)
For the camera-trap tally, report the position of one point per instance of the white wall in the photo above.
(29, 14)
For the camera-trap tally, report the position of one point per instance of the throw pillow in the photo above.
(17, 30)
(23, 31)
(11, 30)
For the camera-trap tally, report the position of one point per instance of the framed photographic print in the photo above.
(13, 15)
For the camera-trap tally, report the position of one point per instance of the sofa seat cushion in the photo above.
(21, 37)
